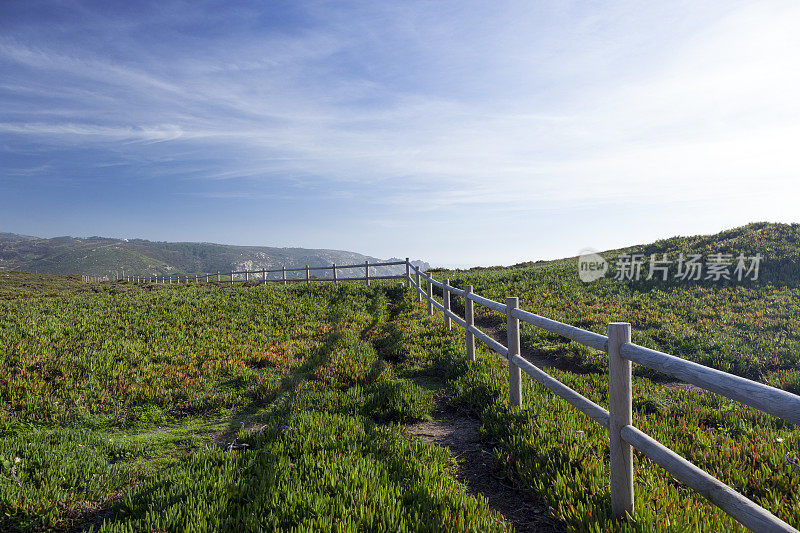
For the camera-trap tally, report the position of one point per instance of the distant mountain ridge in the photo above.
(101, 256)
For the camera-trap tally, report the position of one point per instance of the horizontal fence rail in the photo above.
(624, 436)
(574, 398)
(774, 401)
(581, 336)
(744, 510)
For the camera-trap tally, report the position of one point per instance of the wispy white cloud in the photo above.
(155, 133)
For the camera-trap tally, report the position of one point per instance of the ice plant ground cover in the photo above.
(748, 328)
(119, 400)
(119, 403)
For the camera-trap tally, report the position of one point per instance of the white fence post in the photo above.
(620, 415)
(469, 318)
(217, 276)
(335, 279)
(246, 276)
(264, 273)
(308, 276)
(446, 300)
(512, 334)
(284, 274)
(429, 289)
(366, 268)
(416, 274)
(408, 274)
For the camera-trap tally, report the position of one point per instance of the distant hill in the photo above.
(777, 244)
(100, 256)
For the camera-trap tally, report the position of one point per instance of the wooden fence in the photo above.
(618, 419)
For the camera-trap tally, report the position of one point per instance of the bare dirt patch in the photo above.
(480, 471)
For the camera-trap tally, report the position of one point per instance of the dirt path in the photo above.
(480, 471)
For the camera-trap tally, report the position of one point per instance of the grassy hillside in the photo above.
(119, 402)
(750, 328)
(98, 256)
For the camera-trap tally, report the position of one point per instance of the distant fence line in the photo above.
(618, 419)
(95, 279)
(244, 276)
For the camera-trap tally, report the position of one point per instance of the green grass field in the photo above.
(119, 402)
(115, 402)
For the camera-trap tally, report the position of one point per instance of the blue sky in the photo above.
(459, 132)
